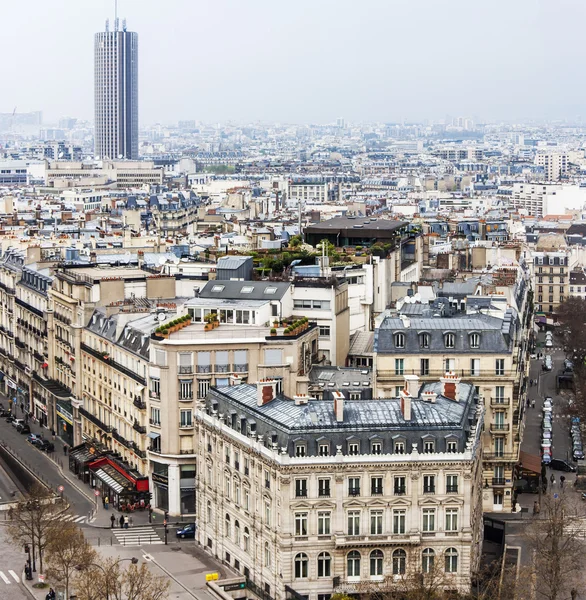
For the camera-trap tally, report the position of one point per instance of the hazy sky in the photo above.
(305, 60)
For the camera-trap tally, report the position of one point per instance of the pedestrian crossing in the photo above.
(137, 536)
(576, 529)
(7, 579)
(71, 518)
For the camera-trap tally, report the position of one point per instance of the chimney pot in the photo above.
(339, 406)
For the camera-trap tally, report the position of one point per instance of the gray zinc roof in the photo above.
(233, 290)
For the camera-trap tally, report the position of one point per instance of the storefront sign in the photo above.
(43, 407)
(10, 383)
(64, 414)
(160, 479)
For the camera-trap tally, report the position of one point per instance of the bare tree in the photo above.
(557, 550)
(67, 552)
(34, 521)
(105, 579)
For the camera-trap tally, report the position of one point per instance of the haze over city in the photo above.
(306, 61)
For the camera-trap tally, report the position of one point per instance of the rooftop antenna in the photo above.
(115, 15)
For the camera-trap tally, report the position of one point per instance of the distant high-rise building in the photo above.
(116, 93)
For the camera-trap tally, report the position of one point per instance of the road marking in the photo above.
(6, 580)
(16, 577)
(79, 519)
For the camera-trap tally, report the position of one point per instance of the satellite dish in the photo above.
(162, 261)
(60, 155)
(120, 156)
(161, 316)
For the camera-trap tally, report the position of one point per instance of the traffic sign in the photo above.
(41, 578)
(60, 488)
(555, 496)
(96, 492)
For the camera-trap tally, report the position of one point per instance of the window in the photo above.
(500, 366)
(246, 540)
(428, 520)
(353, 563)
(399, 447)
(376, 522)
(247, 289)
(499, 446)
(399, 561)
(273, 356)
(324, 519)
(376, 448)
(424, 339)
(267, 555)
(376, 486)
(353, 486)
(376, 563)
(270, 290)
(451, 556)
(399, 366)
(449, 340)
(185, 362)
(268, 480)
(475, 340)
(185, 418)
(324, 564)
(353, 448)
(399, 340)
(354, 522)
(301, 488)
(451, 484)
(474, 366)
(449, 365)
(301, 523)
(155, 416)
(237, 533)
(499, 475)
(427, 560)
(499, 394)
(428, 446)
(323, 487)
(267, 512)
(301, 449)
(203, 387)
(185, 389)
(399, 521)
(451, 519)
(155, 388)
(324, 331)
(324, 449)
(227, 527)
(399, 485)
(398, 389)
(424, 366)
(429, 484)
(217, 288)
(354, 395)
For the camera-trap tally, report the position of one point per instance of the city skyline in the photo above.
(376, 62)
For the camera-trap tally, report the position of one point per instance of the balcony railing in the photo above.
(498, 481)
(204, 368)
(138, 427)
(354, 491)
(185, 397)
(242, 368)
(500, 402)
(222, 368)
(301, 493)
(451, 489)
(435, 374)
(499, 427)
(185, 370)
(139, 403)
(113, 363)
(399, 491)
(376, 490)
(90, 417)
(429, 489)
(504, 456)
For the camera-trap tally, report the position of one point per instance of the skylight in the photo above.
(247, 289)
(217, 288)
(271, 290)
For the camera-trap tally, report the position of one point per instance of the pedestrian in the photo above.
(103, 501)
(112, 521)
(130, 520)
(106, 502)
(126, 520)
(562, 479)
(552, 479)
(535, 508)
(528, 403)
(53, 434)
(65, 449)
(533, 404)
(121, 521)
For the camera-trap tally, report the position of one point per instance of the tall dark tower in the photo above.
(116, 93)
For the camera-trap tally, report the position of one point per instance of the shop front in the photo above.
(160, 479)
(39, 409)
(174, 487)
(64, 421)
(126, 489)
(80, 458)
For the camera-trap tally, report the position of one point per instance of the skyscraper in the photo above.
(116, 93)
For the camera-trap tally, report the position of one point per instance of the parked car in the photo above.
(23, 428)
(33, 438)
(568, 366)
(546, 425)
(547, 363)
(9, 418)
(188, 531)
(578, 454)
(561, 465)
(546, 458)
(46, 446)
(17, 422)
(547, 403)
(546, 434)
(549, 343)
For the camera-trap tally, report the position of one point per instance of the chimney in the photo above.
(338, 406)
(265, 391)
(412, 385)
(406, 404)
(301, 399)
(451, 383)
(429, 397)
(235, 379)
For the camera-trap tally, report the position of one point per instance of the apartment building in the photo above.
(555, 164)
(175, 213)
(551, 278)
(486, 351)
(305, 192)
(578, 283)
(339, 496)
(187, 364)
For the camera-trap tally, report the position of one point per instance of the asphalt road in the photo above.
(12, 560)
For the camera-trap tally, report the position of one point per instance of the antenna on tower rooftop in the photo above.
(115, 15)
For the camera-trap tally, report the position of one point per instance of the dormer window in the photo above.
(474, 340)
(424, 340)
(399, 340)
(449, 340)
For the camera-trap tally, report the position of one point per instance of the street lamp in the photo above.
(133, 560)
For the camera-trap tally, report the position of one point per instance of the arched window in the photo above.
(324, 564)
(228, 529)
(353, 563)
(237, 533)
(209, 511)
(427, 560)
(301, 563)
(246, 540)
(237, 492)
(376, 563)
(267, 555)
(424, 339)
(399, 340)
(451, 556)
(399, 561)
(449, 340)
(474, 340)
